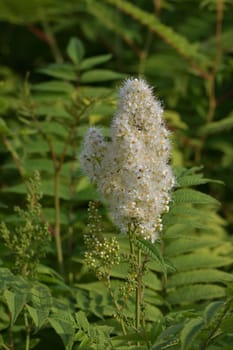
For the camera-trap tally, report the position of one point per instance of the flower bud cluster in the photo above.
(132, 171)
(102, 254)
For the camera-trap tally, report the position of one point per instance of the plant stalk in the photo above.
(57, 223)
(109, 286)
(138, 290)
(27, 328)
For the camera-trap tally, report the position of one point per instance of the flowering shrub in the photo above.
(169, 289)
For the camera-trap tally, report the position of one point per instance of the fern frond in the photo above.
(188, 195)
(175, 40)
(199, 276)
(194, 293)
(153, 251)
(201, 259)
(190, 243)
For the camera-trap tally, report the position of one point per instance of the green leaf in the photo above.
(196, 179)
(99, 75)
(63, 71)
(54, 128)
(189, 243)
(82, 321)
(94, 61)
(75, 50)
(54, 86)
(4, 130)
(211, 310)
(38, 316)
(188, 195)
(6, 278)
(153, 313)
(197, 260)
(175, 40)
(63, 325)
(168, 338)
(41, 164)
(37, 145)
(218, 126)
(15, 302)
(41, 301)
(47, 189)
(189, 332)
(175, 119)
(152, 250)
(54, 110)
(195, 293)
(199, 276)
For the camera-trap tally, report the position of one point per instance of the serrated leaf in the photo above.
(63, 325)
(174, 118)
(82, 321)
(192, 196)
(6, 278)
(211, 310)
(174, 39)
(189, 332)
(196, 179)
(53, 127)
(47, 189)
(197, 260)
(85, 342)
(194, 293)
(40, 164)
(199, 276)
(153, 313)
(99, 75)
(37, 146)
(168, 338)
(75, 50)
(188, 244)
(41, 297)
(218, 126)
(152, 250)
(56, 110)
(38, 316)
(63, 71)
(15, 303)
(4, 130)
(94, 61)
(54, 86)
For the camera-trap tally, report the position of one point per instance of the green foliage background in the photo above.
(61, 64)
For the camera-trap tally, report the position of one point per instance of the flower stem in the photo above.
(138, 290)
(57, 223)
(138, 301)
(27, 328)
(118, 308)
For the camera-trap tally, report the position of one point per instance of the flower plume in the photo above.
(132, 171)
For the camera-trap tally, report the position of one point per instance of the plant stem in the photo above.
(211, 83)
(214, 330)
(5, 347)
(138, 301)
(51, 40)
(109, 286)
(27, 328)
(57, 223)
(138, 290)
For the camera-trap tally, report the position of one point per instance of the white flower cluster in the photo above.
(132, 171)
